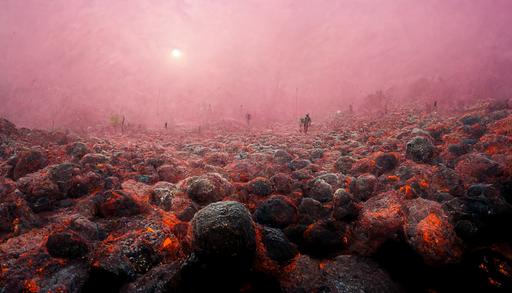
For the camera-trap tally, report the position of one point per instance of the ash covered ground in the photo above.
(405, 201)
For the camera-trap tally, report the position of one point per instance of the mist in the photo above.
(70, 62)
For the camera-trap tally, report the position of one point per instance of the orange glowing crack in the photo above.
(31, 286)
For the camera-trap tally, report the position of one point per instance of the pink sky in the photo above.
(95, 58)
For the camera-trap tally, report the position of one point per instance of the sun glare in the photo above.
(176, 53)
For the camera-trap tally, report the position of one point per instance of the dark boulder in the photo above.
(385, 162)
(162, 195)
(381, 219)
(63, 175)
(223, 230)
(39, 190)
(69, 278)
(320, 190)
(208, 188)
(470, 120)
(430, 233)
(7, 128)
(87, 228)
(277, 246)
(459, 149)
(344, 206)
(162, 278)
(15, 215)
(344, 164)
(343, 274)
(325, 237)
(282, 157)
(77, 150)
(259, 186)
(482, 214)
(311, 210)
(281, 183)
(363, 187)
(119, 260)
(220, 159)
(26, 162)
(478, 168)
(298, 164)
(276, 212)
(93, 159)
(362, 166)
(420, 149)
(316, 154)
(170, 173)
(117, 203)
(66, 245)
(112, 182)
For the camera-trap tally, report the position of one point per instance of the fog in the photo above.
(69, 62)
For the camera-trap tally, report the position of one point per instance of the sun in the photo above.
(176, 53)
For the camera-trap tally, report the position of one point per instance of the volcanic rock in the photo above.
(282, 157)
(39, 190)
(470, 120)
(281, 183)
(15, 215)
(325, 237)
(208, 188)
(162, 278)
(381, 219)
(482, 213)
(343, 274)
(77, 150)
(277, 246)
(298, 164)
(363, 187)
(87, 228)
(223, 230)
(7, 128)
(362, 166)
(420, 149)
(92, 159)
(62, 175)
(316, 154)
(319, 190)
(117, 203)
(478, 168)
(260, 186)
(344, 164)
(385, 162)
(276, 212)
(112, 182)
(311, 210)
(162, 195)
(27, 162)
(66, 245)
(344, 206)
(430, 233)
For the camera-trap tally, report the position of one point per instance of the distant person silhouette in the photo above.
(248, 118)
(307, 123)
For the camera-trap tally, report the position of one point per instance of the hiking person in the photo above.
(307, 123)
(248, 118)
